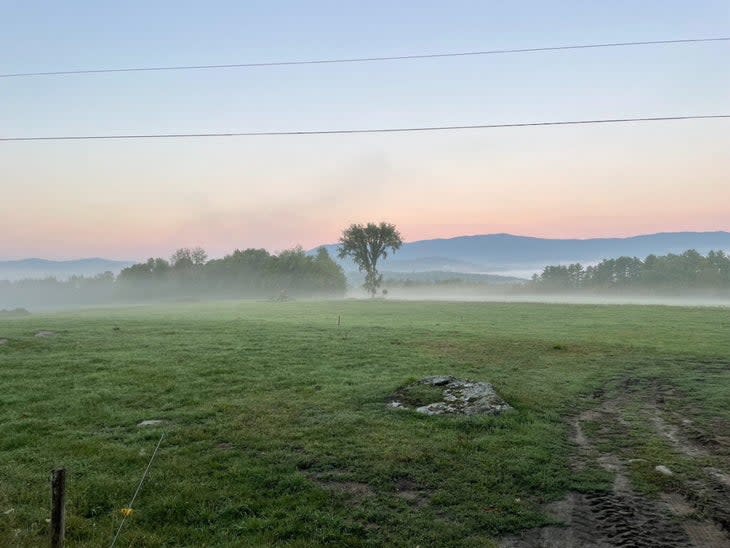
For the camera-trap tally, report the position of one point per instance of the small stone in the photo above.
(663, 470)
(3, 341)
(396, 405)
(150, 422)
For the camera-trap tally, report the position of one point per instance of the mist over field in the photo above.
(686, 279)
(15, 305)
(692, 300)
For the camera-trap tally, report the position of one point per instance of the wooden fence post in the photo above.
(58, 507)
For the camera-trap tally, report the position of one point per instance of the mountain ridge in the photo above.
(36, 267)
(507, 252)
(475, 253)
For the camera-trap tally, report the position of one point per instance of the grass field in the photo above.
(277, 429)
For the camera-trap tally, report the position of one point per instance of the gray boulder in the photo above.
(452, 397)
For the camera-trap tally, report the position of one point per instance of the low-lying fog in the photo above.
(18, 307)
(565, 298)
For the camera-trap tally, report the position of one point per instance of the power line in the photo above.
(365, 130)
(368, 59)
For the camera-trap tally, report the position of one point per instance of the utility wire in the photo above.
(139, 487)
(366, 130)
(367, 59)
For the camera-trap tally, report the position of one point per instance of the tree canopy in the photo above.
(366, 245)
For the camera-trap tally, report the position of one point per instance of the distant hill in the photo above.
(512, 254)
(43, 268)
(504, 254)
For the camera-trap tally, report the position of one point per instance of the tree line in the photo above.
(249, 273)
(688, 270)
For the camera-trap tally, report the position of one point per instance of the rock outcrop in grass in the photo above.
(450, 396)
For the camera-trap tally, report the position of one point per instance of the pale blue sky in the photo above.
(133, 199)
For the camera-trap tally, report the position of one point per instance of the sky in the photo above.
(135, 199)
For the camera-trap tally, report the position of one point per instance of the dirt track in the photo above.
(692, 513)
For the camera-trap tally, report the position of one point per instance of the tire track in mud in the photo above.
(711, 496)
(622, 517)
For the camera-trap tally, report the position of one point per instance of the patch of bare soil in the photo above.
(622, 517)
(3, 342)
(337, 483)
(711, 494)
(712, 498)
(721, 477)
(45, 334)
(355, 488)
(680, 431)
(671, 433)
(412, 493)
(340, 482)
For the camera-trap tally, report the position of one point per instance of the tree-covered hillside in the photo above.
(688, 270)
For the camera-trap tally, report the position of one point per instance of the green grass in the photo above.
(277, 429)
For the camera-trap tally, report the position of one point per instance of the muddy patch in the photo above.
(339, 483)
(623, 517)
(719, 476)
(554, 536)
(342, 483)
(673, 434)
(412, 493)
(709, 495)
(353, 488)
(678, 505)
(704, 534)
(447, 395)
(711, 498)
(679, 428)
